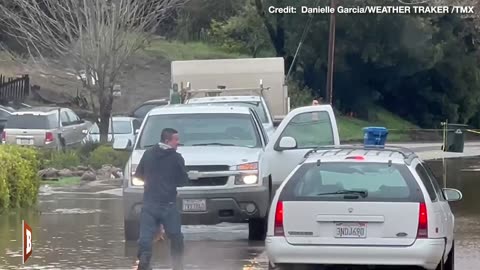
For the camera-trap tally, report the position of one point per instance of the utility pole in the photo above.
(331, 54)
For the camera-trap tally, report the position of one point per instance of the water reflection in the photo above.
(85, 230)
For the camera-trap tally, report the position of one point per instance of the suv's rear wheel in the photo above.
(450, 263)
(257, 229)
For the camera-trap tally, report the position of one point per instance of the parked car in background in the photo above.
(5, 112)
(141, 111)
(361, 206)
(123, 127)
(52, 127)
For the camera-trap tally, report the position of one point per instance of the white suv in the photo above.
(351, 205)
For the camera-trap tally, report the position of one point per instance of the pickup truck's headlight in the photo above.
(249, 174)
(135, 180)
(246, 179)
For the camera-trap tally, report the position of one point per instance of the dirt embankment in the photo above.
(144, 78)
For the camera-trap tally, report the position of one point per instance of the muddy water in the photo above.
(85, 230)
(464, 174)
(82, 230)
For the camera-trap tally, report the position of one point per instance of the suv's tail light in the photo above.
(48, 137)
(4, 136)
(278, 227)
(422, 221)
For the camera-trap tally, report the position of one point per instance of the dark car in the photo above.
(141, 111)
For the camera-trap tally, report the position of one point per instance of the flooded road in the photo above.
(84, 230)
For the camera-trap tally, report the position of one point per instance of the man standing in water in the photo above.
(163, 170)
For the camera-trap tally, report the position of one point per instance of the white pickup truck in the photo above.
(234, 167)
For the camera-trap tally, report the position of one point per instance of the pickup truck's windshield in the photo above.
(257, 106)
(202, 129)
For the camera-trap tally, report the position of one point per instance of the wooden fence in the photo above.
(14, 89)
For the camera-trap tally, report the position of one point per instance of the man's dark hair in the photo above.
(167, 134)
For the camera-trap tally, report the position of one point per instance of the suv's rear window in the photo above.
(30, 121)
(380, 181)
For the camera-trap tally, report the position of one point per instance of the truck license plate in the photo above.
(351, 230)
(194, 205)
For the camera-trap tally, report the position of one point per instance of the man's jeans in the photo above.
(150, 219)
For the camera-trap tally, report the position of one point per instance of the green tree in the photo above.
(244, 32)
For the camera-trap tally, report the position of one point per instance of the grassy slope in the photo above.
(176, 50)
(349, 128)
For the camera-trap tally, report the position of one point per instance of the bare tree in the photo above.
(96, 38)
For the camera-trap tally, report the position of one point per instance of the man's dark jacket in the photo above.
(163, 170)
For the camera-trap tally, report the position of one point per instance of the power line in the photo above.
(306, 29)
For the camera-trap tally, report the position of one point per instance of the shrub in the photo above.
(4, 191)
(93, 154)
(86, 149)
(105, 154)
(299, 95)
(59, 159)
(18, 176)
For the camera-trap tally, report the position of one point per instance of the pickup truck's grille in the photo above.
(209, 181)
(208, 168)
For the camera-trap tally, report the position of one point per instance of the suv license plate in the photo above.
(351, 230)
(24, 141)
(194, 205)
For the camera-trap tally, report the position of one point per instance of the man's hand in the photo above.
(160, 236)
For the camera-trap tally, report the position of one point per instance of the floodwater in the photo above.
(84, 230)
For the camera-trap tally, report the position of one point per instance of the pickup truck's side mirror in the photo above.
(122, 144)
(137, 131)
(287, 143)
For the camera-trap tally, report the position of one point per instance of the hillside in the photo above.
(351, 129)
(148, 77)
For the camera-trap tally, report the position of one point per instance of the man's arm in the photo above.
(183, 175)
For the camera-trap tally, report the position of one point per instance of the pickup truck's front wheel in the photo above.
(132, 230)
(257, 229)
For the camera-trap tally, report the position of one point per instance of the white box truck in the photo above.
(235, 77)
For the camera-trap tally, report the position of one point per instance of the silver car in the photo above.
(123, 128)
(51, 127)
